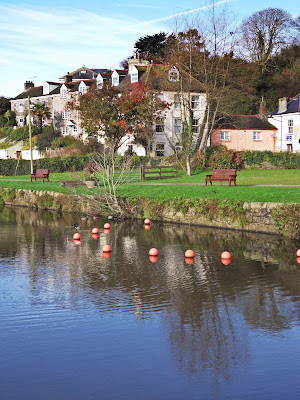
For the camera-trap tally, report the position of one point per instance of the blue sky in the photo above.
(43, 40)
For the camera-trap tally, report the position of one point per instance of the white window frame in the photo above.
(75, 130)
(289, 138)
(21, 107)
(177, 126)
(290, 126)
(64, 130)
(160, 149)
(195, 102)
(173, 74)
(134, 77)
(160, 125)
(82, 90)
(63, 93)
(257, 135)
(64, 114)
(195, 126)
(225, 136)
(177, 101)
(115, 81)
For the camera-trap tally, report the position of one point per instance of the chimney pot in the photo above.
(282, 106)
(28, 85)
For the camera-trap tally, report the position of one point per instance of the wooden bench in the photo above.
(40, 174)
(222, 175)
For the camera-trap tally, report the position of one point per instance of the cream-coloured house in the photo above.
(164, 78)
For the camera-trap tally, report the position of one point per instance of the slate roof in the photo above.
(157, 76)
(101, 71)
(35, 91)
(243, 122)
(293, 106)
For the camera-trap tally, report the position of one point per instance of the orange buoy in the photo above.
(147, 227)
(225, 261)
(106, 248)
(107, 231)
(189, 260)
(226, 255)
(147, 221)
(95, 230)
(76, 241)
(298, 253)
(95, 236)
(153, 252)
(106, 255)
(76, 236)
(153, 259)
(189, 254)
(298, 260)
(107, 226)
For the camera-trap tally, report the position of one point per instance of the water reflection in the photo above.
(208, 310)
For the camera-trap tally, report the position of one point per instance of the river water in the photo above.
(77, 325)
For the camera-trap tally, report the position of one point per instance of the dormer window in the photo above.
(173, 75)
(115, 81)
(134, 77)
(63, 93)
(82, 89)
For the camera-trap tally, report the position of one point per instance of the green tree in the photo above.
(41, 112)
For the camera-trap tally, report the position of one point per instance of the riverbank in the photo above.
(267, 217)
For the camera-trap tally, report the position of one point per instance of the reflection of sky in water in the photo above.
(77, 325)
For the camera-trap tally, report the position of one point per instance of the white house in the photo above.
(287, 121)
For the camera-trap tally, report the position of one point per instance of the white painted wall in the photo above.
(284, 137)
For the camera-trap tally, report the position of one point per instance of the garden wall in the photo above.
(273, 218)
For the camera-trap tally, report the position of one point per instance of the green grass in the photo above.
(220, 192)
(191, 187)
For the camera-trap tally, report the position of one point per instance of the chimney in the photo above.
(68, 78)
(28, 85)
(135, 60)
(282, 107)
(262, 109)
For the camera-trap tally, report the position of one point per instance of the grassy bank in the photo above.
(186, 187)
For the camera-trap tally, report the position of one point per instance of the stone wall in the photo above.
(273, 218)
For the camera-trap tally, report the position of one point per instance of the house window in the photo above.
(115, 81)
(173, 75)
(63, 93)
(289, 138)
(290, 126)
(195, 102)
(82, 90)
(75, 129)
(64, 114)
(177, 126)
(195, 126)
(159, 127)
(225, 136)
(134, 77)
(130, 149)
(160, 149)
(256, 135)
(64, 130)
(21, 107)
(43, 102)
(177, 102)
(178, 148)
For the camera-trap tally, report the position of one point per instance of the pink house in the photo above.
(244, 132)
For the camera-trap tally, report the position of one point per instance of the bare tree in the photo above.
(264, 33)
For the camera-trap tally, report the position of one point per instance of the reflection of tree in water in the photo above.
(206, 306)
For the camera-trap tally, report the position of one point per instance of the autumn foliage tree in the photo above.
(115, 112)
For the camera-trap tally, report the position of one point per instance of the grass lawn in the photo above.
(220, 192)
(190, 186)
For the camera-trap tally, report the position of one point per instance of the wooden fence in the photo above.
(158, 172)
